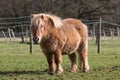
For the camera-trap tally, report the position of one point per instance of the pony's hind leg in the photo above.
(72, 58)
(83, 56)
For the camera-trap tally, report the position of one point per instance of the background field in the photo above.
(16, 63)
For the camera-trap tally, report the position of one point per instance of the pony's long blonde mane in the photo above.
(56, 20)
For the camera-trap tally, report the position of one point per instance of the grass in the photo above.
(16, 63)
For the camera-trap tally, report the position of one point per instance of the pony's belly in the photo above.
(70, 48)
(69, 51)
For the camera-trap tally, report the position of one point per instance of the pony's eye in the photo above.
(38, 22)
(41, 26)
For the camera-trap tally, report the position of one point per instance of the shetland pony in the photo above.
(58, 36)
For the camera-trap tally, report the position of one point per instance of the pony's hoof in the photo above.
(86, 70)
(50, 72)
(59, 71)
(74, 69)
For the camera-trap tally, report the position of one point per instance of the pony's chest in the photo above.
(50, 45)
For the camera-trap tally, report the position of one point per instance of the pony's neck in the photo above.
(52, 33)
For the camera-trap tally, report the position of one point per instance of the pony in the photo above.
(57, 37)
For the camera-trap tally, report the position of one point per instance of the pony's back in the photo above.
(78, 25)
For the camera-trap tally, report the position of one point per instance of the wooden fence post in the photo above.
(22, 35)
(13, 34)
(99, 37)
(104, 33)
(31, 41)
(4, 35)
(26, 33)
(9, 34)
(112, 34)
(118, 32)
(91, 32)
(94, 31)
(113, 31)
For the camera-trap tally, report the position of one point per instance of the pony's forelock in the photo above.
(57, 21)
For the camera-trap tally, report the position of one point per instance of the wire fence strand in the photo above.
(16, 29)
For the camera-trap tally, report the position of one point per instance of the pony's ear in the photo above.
(31, 16)
(51, 22)
(42, 17)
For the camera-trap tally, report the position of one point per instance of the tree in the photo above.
(81, 9)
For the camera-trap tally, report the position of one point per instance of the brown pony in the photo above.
(57, 37)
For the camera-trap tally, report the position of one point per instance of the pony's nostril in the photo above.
(36, 40)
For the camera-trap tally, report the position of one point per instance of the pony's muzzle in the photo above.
(36, 40)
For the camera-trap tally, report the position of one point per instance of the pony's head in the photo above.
(41, 24)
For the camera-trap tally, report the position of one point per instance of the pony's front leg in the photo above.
(58, 61)
(72, 58)
(50, 60)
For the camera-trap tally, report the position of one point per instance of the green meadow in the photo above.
(16, 63)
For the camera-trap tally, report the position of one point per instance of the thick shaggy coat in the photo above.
(58, 36)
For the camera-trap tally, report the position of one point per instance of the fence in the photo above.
(104, 34)
(13, 28)
(101, 33)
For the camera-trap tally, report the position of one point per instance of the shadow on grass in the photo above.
(11, 73)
